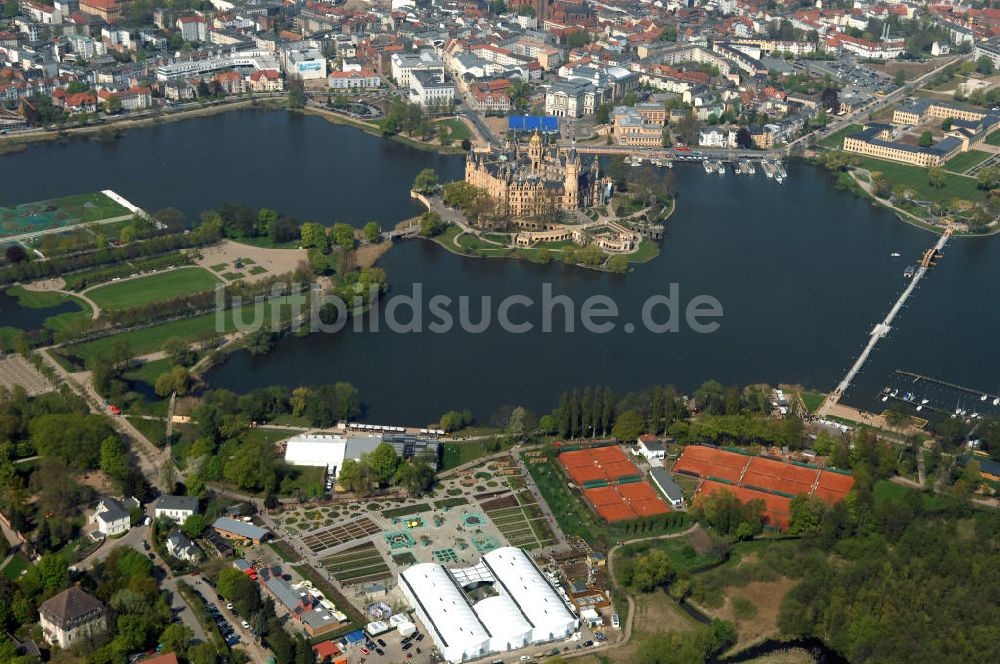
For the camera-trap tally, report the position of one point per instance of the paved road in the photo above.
(151, 459)
(257, 652)
(876, 105)
(133, 538)
(182, 609)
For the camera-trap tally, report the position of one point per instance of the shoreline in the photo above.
(337, 118)
(18, 143)
(143, 122)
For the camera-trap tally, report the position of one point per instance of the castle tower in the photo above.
(535, 151)
(571, 198)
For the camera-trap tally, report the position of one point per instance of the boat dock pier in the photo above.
(883, 328)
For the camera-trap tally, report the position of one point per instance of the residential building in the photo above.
(990, 49)
(70, 617)
(431, 89)
(241, 531)
(112, 515)
(266, 80)
(176, 508)
(404, 64)
(305, 61)
(182, 548)
(192, 28)
(107, 10)
(353, 80)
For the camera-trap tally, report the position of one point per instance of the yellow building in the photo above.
(923, 110)
(531, 186)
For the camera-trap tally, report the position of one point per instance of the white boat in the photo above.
(885, 398)
(895, 254)
(996, 402)
(982, 398)
(721, 169)
(924, 401)
(919, 408)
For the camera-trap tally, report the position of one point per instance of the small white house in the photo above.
(664, 481)
(112, 515)
(651, 447)
(182, 548)
(712, 138)
(176, 508)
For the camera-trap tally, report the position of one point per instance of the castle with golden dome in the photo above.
(530, 186)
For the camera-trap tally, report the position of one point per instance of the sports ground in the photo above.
(754, 477)
(57, 213)
(612, 484)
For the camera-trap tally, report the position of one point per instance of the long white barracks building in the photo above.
(526, 609)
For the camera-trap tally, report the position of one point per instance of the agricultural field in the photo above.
(158, 287)
(341, 533)
(360, 564)
(43, 216)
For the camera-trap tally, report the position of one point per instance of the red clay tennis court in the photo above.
(772, 475)
(626, 501)
(833, 486)
(710, 462)
(600, 463)
(777, 512)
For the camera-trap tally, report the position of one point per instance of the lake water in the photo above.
(803, 272)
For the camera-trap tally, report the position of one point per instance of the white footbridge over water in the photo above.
(883, 328)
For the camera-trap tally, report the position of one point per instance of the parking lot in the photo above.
(417, 648)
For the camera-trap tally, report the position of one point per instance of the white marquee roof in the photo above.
(520, 579)
(445, 605)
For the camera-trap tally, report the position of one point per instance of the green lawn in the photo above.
(154, 288)
(962, 162)
(994, 138)
(648, 250)
(457, 130)
(835, 140)
(456, 454)
(155, 430)
(150, 339)
(17, 564)
(812, 400)
(149, 371)
(916, 178)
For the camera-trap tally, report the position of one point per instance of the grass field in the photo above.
(149, 371)
(150, 339)
(456, 454)
(836, 140)
(994, 138)
(812, 400)
(13, 569)
(962, 162)
(154, 288)
(457, 130)
(916, 178)
(58, 213)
